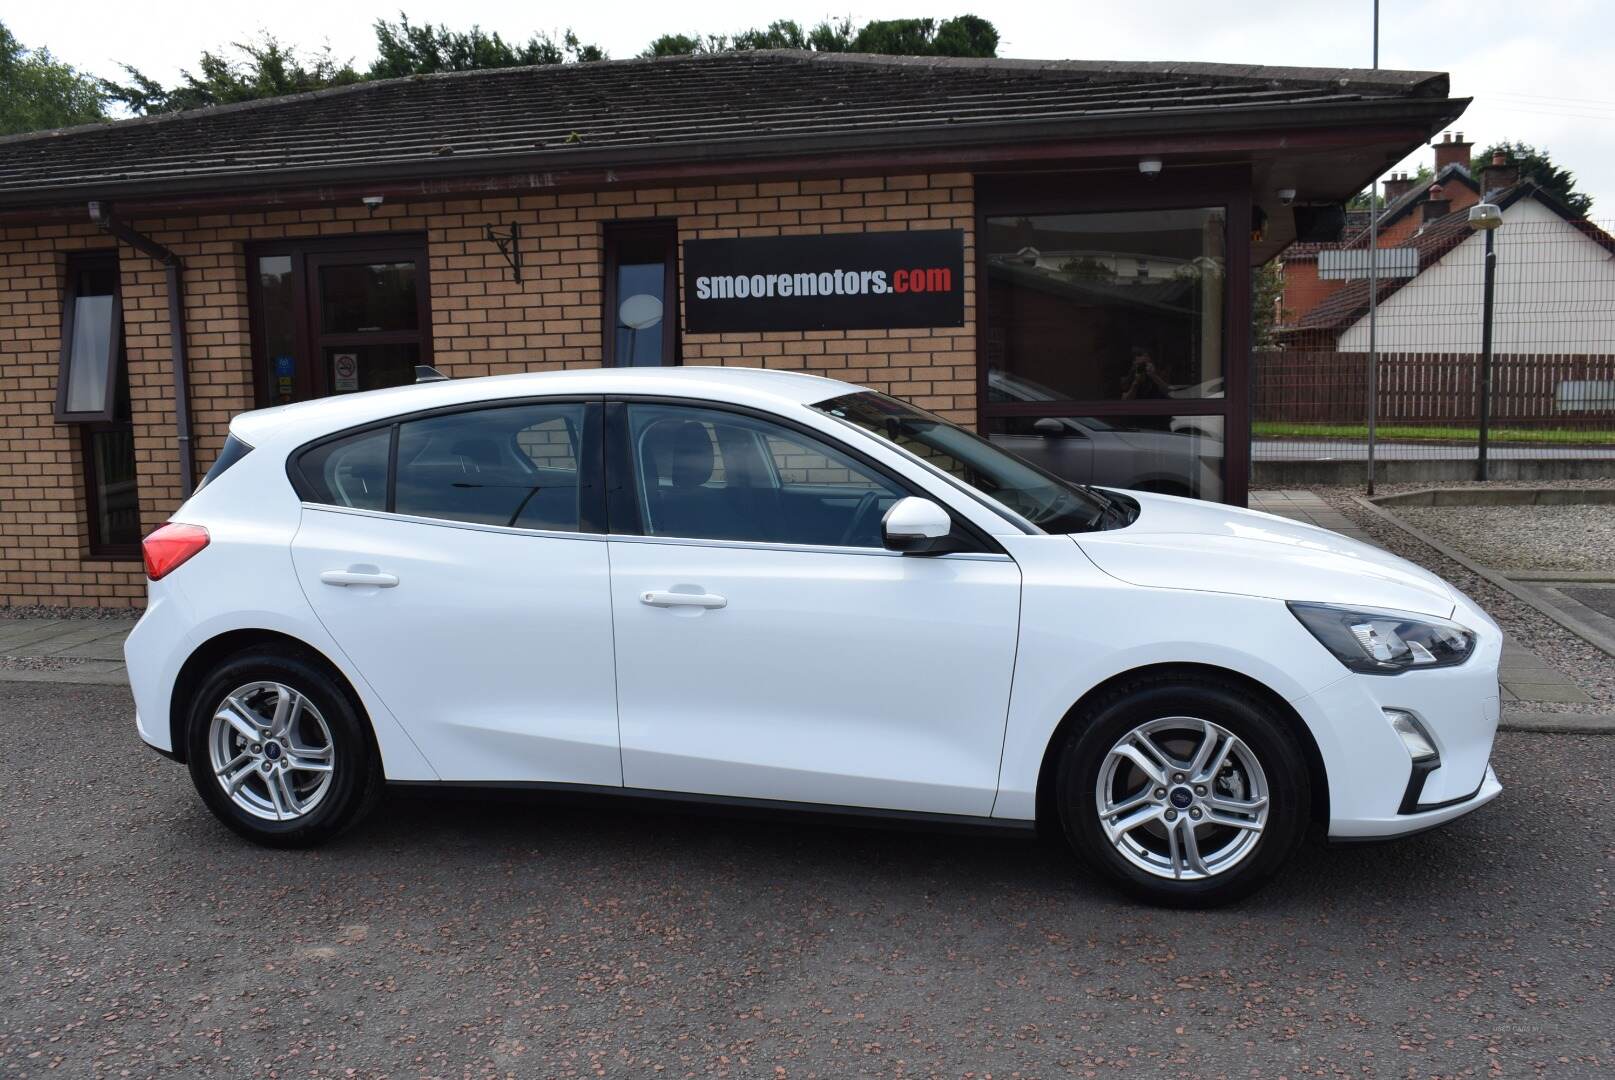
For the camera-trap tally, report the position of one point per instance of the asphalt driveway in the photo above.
(508, 937)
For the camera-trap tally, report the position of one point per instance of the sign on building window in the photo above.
(853, 281)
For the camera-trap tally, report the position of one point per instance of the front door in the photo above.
(472, 598)
(769, 647)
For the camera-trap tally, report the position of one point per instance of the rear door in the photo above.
(469, 585)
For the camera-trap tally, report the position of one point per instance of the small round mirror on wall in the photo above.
(640, 311)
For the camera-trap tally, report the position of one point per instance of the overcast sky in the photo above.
(1538, 71)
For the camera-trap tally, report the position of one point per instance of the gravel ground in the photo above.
(1575, 537)
(1588, 666)
(40, 663)
(45, 611)
(477, 937)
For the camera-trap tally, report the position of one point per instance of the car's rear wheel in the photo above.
(278, 751)
(1187, 792)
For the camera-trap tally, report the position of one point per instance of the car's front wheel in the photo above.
(1185, 791)
(277, 750)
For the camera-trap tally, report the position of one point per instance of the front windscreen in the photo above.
(1045, 500)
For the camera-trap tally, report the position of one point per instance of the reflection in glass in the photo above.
(90, 354)
(1175, 455)
(278, 310)
(1121, 306)
(368, 297)
(112, 477)
(639, 343)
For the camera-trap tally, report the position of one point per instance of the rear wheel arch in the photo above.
(1046, 809)
(211, 653)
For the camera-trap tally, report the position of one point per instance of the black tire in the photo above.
(1103, 723)
(355, 775)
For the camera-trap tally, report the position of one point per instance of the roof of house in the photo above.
(1432, 242)
(1357, 221)
(734, 105)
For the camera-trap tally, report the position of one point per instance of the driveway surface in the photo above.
(511, 937)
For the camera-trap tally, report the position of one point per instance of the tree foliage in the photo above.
(254, 69)
(403, 48)
(966, 35)
(1537, 165)
(266, 68)
(38, 92)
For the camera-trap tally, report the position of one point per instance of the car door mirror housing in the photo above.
(917, 526)
(1048, 427)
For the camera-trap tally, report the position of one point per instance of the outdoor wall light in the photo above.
(1485, 216)
(1150, 167)
(374, 202)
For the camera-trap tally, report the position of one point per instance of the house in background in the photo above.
(1553, 321)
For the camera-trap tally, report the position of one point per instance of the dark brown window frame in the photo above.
(77, 263)
(1122, 189)
(611, 235)
(308, 254)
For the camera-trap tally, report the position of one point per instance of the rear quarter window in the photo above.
(234, 450)
(347, 472)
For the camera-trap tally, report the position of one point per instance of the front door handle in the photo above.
(359, 577)
(682, 599)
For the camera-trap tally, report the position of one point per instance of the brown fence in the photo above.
(1314, 386)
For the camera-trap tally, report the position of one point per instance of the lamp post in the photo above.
(1485, 217)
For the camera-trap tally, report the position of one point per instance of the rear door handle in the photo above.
(357, 577)
(682, 599)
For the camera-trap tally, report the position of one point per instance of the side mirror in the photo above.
(917, 526)
(1048, 427)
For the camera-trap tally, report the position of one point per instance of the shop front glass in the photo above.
(1104, 345)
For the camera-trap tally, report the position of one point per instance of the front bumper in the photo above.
(1375, 787)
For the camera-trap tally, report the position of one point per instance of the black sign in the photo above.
(849, 281)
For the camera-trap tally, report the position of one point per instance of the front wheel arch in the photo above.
(211, 653)
(1048, 818)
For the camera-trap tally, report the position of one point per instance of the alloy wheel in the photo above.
(1182, 798)
(271, 751)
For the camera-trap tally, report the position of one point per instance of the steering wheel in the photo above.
(869, 501)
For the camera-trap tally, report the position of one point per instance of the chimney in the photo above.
(1501, 173)
(1436, 206)
(1398, 185)
(1452, 151)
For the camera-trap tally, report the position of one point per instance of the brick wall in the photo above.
(482, 323)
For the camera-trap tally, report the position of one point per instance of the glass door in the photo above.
(338, 317)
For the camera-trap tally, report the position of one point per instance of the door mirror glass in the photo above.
(917, 526)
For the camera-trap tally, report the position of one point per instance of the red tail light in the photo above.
(169, 546)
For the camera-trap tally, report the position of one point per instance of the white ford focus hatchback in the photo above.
(775, 590)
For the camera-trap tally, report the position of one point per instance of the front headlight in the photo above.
(1385, 642)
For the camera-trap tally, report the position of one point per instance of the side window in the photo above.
(516, 465)
(350, 471)
(714, 475)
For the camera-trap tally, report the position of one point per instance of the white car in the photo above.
(779, 591)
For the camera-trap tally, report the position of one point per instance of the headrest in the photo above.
(679, 451)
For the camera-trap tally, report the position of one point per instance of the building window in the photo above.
(338, 316)
(92, 392)
(641, 295)
(1105, 343)
(92, 340)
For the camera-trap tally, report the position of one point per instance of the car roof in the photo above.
(737, 385)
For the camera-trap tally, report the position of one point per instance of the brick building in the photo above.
(159, 275)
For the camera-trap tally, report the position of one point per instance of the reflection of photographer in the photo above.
(1143, 381)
